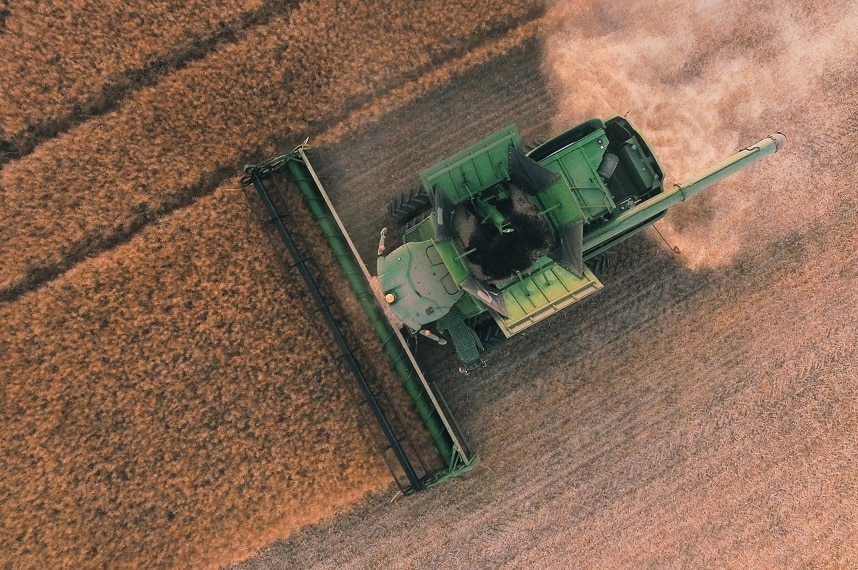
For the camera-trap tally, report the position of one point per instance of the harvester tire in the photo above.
(489, 334)
(407, 205)
(599, 263)
(530, 145)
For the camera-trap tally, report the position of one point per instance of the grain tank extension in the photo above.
(497, 238)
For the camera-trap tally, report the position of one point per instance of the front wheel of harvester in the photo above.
(599, 263)
(489, 334)
(531, 145)
(407, 205)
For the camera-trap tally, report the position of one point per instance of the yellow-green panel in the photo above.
(544, 293)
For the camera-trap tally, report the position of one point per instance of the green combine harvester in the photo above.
(495, 239)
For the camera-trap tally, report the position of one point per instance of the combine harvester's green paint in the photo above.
(494, 240)
(429, 406)
(497, 239)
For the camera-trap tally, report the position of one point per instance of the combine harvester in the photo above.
(494, 240)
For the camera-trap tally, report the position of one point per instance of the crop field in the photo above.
(66, 61)
(167, 398)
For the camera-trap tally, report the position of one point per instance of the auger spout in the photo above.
(654, 207)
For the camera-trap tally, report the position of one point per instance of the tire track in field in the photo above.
(357, 108)
(125, 84)
(631, 445)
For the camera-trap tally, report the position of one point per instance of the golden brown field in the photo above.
(159, 397)
(167, 144)
(65, 61)
(167, 398)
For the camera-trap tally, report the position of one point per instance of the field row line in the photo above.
(124, 85)
(406, 87)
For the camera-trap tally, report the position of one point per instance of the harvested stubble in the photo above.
(58, 56)
(95, 185)
(680, 418)
(169, 404)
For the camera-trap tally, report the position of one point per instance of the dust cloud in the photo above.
(703, 79)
